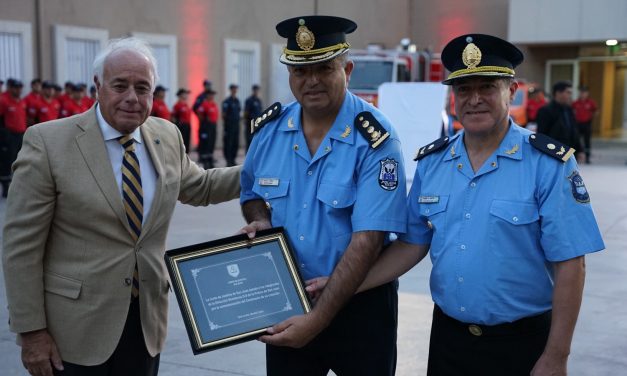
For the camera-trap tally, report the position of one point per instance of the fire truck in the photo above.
(376, 66)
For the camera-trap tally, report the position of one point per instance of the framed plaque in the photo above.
(231, 290)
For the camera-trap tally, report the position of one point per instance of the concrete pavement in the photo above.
(599, 346)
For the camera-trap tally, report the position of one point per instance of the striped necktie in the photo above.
(132, 195)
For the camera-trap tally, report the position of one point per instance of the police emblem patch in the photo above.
(388, 176)
(580, 193)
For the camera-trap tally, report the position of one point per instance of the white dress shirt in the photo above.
(116, 155)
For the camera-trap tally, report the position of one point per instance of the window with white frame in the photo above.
(16, 51)
(242, 65)
(164, 47)
(75, 51)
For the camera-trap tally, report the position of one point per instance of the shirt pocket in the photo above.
(338, 201)
(275, 197)
(514, 228)
(434, 215)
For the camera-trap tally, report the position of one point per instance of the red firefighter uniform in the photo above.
(49, 110)
(13, 111)
(160, 109)
(33, 103)
(182, 113)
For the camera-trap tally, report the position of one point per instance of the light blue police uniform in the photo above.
(347, 186)
(494, 234)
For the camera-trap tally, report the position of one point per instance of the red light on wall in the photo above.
(195, 49)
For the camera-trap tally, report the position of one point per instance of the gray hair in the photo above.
(134, 44)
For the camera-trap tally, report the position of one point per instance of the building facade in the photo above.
(234, 41)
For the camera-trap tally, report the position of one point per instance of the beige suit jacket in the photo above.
(68, 253)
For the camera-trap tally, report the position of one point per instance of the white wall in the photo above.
(563, 21)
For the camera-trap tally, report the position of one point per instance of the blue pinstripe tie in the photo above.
(133, 196)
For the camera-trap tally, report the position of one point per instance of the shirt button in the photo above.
(127, 281)
(301, 237)
(309, 172)
(266, 194)
(467, 215)
(304, 206)
(463, 246)
(460, 279)
(302, 265)
(473, 184)
(426, 211)
(334, 202)
(515, 219)
(463, 309)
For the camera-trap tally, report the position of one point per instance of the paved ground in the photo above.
(600, 343)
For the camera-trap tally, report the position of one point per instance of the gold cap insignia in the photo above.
(304, 37)
(471, 56)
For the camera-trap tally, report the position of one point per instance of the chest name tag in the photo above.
(428, 199)
(269, 182)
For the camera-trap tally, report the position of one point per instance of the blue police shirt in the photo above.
(494, 234)
(347, 186)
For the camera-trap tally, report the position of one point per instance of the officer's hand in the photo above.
(38, 351)
(254, 226)
(297, 331)
(315, 286)
(550, 366)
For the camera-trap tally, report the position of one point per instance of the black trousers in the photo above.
(206, 143)
(185, 130)
(130, 357)
(231, 141)
(510, 349)
(361, 341)
(585, 132)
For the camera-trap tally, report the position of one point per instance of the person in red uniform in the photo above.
(13, 126)
(207, 113)
(159, 108)
(585, 108)
(181, 116)
(33, 102)
(82, 96)
(72, 106)
(89, 100)
(65, 96)
(534, 103)
(50, 106)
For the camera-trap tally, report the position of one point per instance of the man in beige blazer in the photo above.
(69, 253)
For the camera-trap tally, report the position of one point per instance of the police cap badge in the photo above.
(314, 39)
(480, 55)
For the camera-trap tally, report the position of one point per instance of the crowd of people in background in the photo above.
(48, 101)
(562, 118)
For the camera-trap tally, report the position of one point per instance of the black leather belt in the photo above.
(525, 325)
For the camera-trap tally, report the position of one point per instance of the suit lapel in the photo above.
(155, 149)
(92, 147)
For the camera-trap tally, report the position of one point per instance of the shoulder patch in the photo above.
(431, 148)
(549, 146)
(267, 115)
(371, 129)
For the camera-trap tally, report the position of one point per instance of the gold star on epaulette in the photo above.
(267, 115)
(551, 147)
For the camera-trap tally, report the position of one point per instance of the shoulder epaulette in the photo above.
(371, 129)
(267, 115)
(549, 146)
(431, 148)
